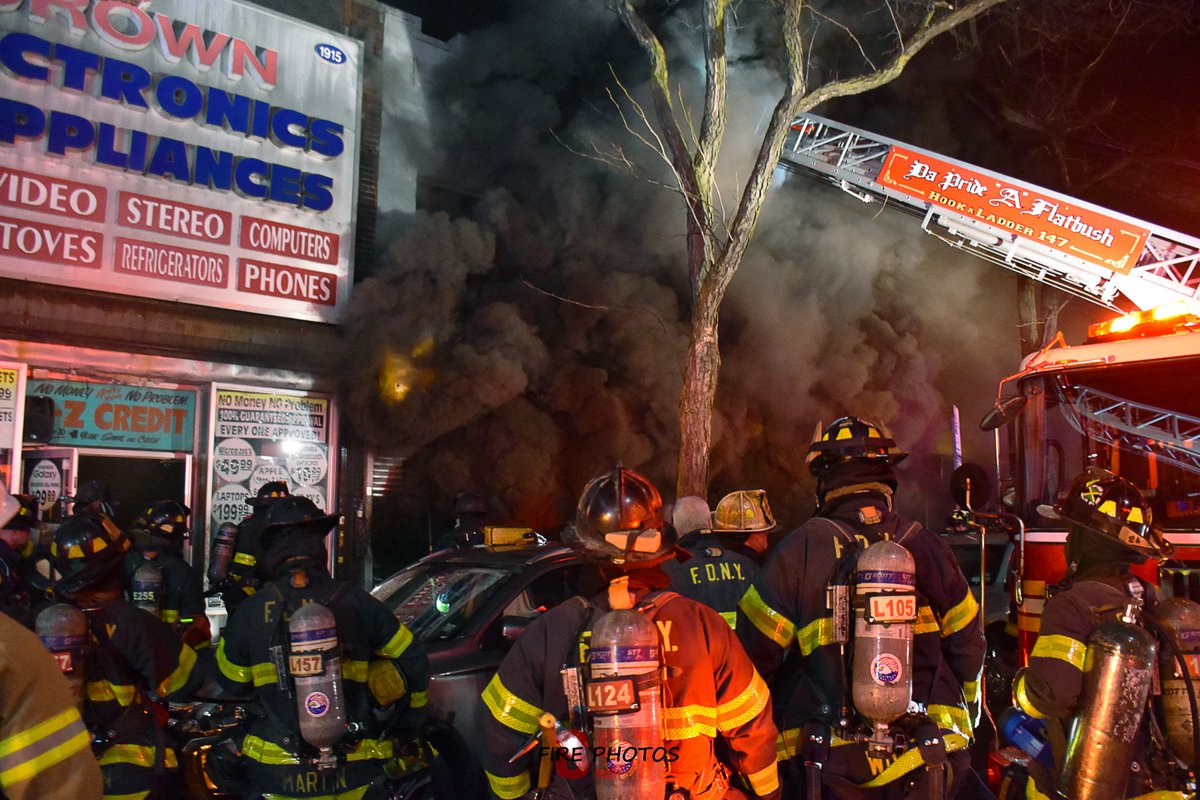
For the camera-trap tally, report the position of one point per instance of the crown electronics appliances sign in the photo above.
(197, 151)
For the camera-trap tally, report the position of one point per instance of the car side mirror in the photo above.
(511, 628)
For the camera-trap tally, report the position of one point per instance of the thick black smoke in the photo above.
(537, 339)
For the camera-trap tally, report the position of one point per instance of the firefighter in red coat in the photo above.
(716, 735)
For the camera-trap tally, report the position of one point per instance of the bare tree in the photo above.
(716, 241)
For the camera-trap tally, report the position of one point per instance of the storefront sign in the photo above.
(90, 414)
(147, 146)
(1021, 209)
(260, 436)
(47, 480)
(12, 381)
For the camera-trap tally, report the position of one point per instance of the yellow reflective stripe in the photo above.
(134, 796)
(926, 621)
(259, 749)
(745, 707)
(508, 788)
(786, 743)
(815, 634)
(139, 755)
(235, 672)
(911, 759)
(951, 718)
(1021, 697)
(770, 623)
(245, 559)
(510, 710)
(971, 691)
(1163, 794)
(355, 670)
(730, 618)
(1031, 791)
(169, 615)
(175, 681)
(689, 722)
(30, 752)
(1064, 648)
(418, 699)
(272, 754)
(764, 781)
(960, 616)
(397, 644)
(103, 691)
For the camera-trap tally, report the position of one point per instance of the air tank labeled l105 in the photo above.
(885, 608)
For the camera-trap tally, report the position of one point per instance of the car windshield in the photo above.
(436, 601)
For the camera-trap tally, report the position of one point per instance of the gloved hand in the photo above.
(386, 683)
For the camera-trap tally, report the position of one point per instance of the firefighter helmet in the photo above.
(690, 514)
(851, 438)
(1111, 506)
(294, 514)
(25, 517)
(87, 549)
(619, 520)
(743, 511)
(469, 503)
(268, 492)
(166, 519)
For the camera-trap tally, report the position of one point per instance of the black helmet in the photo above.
(167, 519)
(267, 493)
(1108, 505)
(93, 491)
(25, 518)
(294, 514)
(87, 548)
(619, 520)
(469, 503)
(851, 438)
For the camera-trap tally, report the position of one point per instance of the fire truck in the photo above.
(1127, 399)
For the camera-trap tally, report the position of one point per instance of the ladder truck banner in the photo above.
(193, 151)
(12, 393)
(128, 417)
(1016, 209)
(260, 436)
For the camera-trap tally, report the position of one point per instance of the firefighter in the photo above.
(244, 575)
(135, 664)
(1108, 531)
(161, 530)
(853, 461)
(16, 547)
(716, 736)
(44, 749)
(744, 519)
(470, 512)
(325, 725)
(93, 497)
(726, 581)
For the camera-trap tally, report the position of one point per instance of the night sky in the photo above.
(539, 321)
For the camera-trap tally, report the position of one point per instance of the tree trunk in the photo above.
(696, 401)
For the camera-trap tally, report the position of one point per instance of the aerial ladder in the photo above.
(1102, 256)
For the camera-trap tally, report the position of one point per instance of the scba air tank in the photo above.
(1180, 618)
(1103, 739)
(147, 588)
(63, 629)
(224, 545)
(885, 607)
(314, 662)
(625, 667)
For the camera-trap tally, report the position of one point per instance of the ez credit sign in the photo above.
(126, 417)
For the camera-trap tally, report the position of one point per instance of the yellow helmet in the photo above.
(743, 511)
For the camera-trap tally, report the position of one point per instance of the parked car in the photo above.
(468, 606)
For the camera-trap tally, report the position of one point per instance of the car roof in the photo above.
(481, 555)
